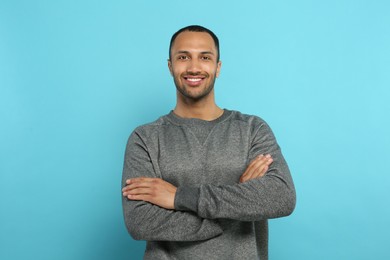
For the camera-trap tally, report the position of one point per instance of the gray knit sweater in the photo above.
(215, 217)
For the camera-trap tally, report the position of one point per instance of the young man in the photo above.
(201, 182)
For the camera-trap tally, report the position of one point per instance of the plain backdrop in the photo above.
(76, 77)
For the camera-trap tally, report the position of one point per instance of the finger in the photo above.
(127, 187)
(261, 167)
(139, 184)
(130, 186)
(139, 191)
(135, 185)
(258, 159)
(254, 164)
(139, 197)
(257, 169)
(139, 180)
(260, 172)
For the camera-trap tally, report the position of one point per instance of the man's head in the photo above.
(194, 63)
(195, 28)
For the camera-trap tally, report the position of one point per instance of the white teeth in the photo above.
(194, 80)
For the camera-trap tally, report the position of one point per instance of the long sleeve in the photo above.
(145, 221)
(270, 196)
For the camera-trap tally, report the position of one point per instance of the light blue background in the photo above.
(76, 77)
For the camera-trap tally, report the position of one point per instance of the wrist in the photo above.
(186, 198)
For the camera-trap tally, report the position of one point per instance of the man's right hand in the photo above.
(257, 168)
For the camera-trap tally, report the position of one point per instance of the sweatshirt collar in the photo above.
(196, 121)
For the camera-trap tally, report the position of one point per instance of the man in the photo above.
(201, 182)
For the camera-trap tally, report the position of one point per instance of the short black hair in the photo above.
(195, 28)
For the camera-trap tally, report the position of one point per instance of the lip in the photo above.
(194, 80)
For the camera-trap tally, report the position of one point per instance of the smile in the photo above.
(194, 80)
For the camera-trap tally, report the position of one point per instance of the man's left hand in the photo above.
(153, 190)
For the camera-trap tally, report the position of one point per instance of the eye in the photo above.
(205, 58)
(183, 57)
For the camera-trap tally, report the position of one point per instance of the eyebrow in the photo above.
(202, 52)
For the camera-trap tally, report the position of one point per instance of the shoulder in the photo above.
(251, 120)
(258, 128)
(148, 129)
(256, 125)
(144, 135)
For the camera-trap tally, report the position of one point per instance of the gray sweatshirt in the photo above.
(215, 216)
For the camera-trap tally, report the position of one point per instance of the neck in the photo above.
(205, 109)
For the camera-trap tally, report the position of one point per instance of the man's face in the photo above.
(193, 64)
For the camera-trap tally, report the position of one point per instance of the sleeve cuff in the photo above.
(186, 198)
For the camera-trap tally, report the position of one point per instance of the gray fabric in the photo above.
(215, 216)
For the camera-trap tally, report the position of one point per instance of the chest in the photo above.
(220, 158)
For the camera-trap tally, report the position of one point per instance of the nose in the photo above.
(194, 66)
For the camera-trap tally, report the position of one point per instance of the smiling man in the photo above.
(201, 182)
(194, 65)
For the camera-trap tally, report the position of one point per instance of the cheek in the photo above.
(177, 71)
(213, 70)
(176, 75)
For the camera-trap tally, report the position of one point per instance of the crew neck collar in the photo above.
(190, 121)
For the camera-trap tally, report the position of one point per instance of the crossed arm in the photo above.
(162, 193)
(153, 207)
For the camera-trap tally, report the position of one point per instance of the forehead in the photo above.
(194, 41)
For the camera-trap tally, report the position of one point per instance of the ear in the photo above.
(170, 67)
(219, 65)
